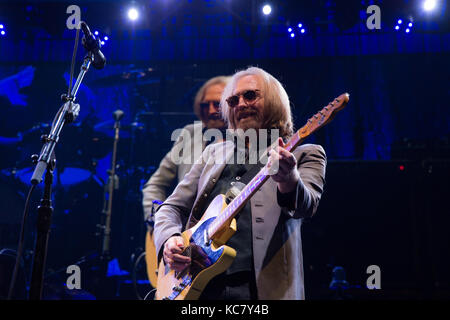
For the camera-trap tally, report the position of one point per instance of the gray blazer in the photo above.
(276, 231)
(157, 186)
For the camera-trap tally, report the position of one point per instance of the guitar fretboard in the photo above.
(241, 199)
(315, 122)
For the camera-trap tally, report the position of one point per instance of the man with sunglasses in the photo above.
(206, 107)
(268, 263)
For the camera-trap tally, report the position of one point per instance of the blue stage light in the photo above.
(407, 30)
(399, 21)
(410, 24)
(292, 35)
(397, 27)
(106, 38)
(96, 33)
(289, 29)
(303, 31)
(1, 26)
(300, 25)
(3, 32)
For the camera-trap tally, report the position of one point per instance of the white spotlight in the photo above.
(133, 14)
(429, 5)
(267, 9)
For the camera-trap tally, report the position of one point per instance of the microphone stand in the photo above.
(113, 183)
(46, 161)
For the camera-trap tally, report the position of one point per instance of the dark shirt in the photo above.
(238, 282)
(241, 241)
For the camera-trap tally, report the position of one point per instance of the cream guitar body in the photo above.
(209, 258)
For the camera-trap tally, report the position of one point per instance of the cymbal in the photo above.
(78, 144)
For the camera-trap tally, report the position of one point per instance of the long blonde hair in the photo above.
(277, 109)
(201, 92)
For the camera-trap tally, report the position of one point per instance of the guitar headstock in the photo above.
(324, 116)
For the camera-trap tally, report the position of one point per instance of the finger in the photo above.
(285, 153)
(177, 266)
(179, 242)
(180, 258)
(289, 158)
(288, 163)
(174, 248)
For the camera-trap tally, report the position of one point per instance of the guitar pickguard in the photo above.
(202, 255)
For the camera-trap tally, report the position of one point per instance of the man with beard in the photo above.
(268, 262)
(206, 107)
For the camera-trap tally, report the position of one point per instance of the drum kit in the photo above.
(80, 184)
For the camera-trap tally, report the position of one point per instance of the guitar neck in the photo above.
(250, 189)
(314, 123)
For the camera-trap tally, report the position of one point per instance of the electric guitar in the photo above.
(151, 259)
(205, 242)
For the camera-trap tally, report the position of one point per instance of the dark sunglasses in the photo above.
(248, 95)
(206, 104)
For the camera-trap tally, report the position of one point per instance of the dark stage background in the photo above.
(385, 201)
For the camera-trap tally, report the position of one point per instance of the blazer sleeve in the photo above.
(304, 200)
(167, 174)
(158, 184)
(172, 215)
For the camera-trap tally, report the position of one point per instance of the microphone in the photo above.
(93, 45)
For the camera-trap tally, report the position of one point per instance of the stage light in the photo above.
(407, 30)
(399, 21)
(96, 33)
(103, 43)
(3, 32)
(300, 25)
(106, 38)
(133, 14)
(410, 24)
(267, 9)
(397, 27)
(303, 31)
(292, 35)
(429, 5)
(1, 26)
(289, 29)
